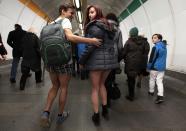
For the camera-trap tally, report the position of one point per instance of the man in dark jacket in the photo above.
(133, 54)
(14, 40)
(31, 58)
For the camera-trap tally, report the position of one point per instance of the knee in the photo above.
(95, 89)
(55, 85)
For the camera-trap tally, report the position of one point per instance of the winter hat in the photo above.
(133, 32)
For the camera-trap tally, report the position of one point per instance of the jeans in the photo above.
(156, 77)
(15, 64)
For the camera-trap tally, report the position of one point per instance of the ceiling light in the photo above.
(77, 3)
(80, 16)
(81, 26)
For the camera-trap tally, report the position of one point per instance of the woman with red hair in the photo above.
(99, 60)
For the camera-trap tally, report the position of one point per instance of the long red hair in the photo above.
(99, 14)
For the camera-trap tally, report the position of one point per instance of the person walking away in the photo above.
(133, 55)
(110, 82)
(3, 51)
(60, 75)
(31, 57)
(157, 67)
(14, 40)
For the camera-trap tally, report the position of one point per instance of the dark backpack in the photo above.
(55, 49)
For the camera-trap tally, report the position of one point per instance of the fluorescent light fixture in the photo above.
(81, 26)
(77, 3)
(80, 16)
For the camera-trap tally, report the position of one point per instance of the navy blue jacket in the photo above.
(103, 57)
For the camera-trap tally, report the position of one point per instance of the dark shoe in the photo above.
(22, 86)
(115, 84)
(96, 119)
(138, 85)
(63, 117)
(150, 93)
(159, 100)
(45, 120)
(38, 81)
(105, 112)
(108, 102)
(29, 75)
(130, 98)
(12, 80)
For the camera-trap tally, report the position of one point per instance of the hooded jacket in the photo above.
(135, 53)
(158, 57)
(31, 52)
(102, 57)
(118, 40)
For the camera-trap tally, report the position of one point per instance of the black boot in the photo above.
(23, 81)
(96, 119)
(105, 112)
(138, 84)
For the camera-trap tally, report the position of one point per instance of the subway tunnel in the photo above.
(21, 110)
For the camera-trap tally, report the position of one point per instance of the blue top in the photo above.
(81, 48)
(158, 57)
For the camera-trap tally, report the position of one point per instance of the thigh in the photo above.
(25, 70)
(15, 60)
(104, 75)
(64, 80)
(54, 79)
(95, 77)
(160, 76)
(153, 74)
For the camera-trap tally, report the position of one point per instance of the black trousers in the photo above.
(25, 73)
(131, 85)
(84, 74)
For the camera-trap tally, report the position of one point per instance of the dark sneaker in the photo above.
(22, 86)
(159, 100)
(138, 85)
(61, 118)
(38, 81)
(29, 75)
(12, 80)
(129, 98)
(45, 120)
(150, 93)
(96, 119)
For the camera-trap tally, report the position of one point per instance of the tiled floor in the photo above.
(21, 110)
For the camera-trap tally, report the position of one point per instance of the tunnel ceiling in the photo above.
(50, 7)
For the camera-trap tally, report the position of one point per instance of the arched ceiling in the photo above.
(50, 7)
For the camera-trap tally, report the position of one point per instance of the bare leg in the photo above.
(64, 81)
(52, 92)
(103, 91)
(95, 77)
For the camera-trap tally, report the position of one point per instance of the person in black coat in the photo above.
(110, 82)
(3, 51)
(14, 40)
(31, 58)
(133, 55)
